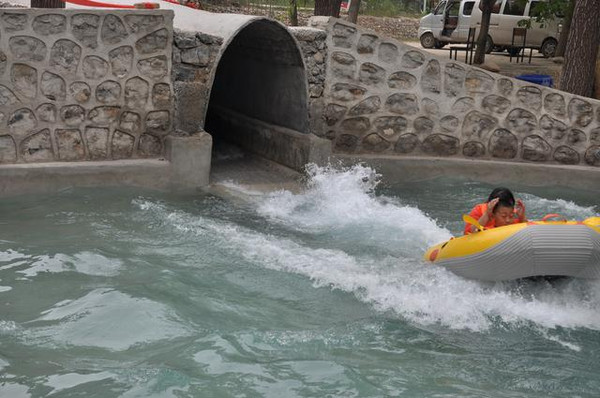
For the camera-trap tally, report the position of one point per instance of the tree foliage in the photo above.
(545, 11)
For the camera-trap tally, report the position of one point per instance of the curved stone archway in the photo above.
(259, 94)
(243, 80)
(261, 75)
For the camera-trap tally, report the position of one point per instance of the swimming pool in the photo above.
(117, 293)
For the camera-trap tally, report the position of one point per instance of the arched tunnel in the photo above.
(258, 98)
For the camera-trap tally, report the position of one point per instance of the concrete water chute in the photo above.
(259, 94)
(256, 92)
(261, 76)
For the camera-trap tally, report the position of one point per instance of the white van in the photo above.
(451, 19)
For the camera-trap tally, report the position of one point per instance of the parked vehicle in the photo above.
(451, 19)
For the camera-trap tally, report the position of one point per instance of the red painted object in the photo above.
(92, 3)
(145, 5)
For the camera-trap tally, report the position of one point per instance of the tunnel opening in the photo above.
(259, 98)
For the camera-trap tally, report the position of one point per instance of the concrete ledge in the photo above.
(187, 169)
(410, 169)
(17, 179)
(190, 159)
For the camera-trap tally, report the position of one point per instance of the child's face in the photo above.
(503, 215)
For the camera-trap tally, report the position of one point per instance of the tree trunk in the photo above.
(353, 11)
(293, 13)
(597, 82)
(579, 68)
(564, 33)
(330, 8)
(47, 4)
(486, 15)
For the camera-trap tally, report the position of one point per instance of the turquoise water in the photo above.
(117, 293)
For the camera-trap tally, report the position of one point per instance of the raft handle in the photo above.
(554, 215)
(470, 220)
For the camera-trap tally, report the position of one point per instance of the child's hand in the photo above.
(490, 206)
(520, 210)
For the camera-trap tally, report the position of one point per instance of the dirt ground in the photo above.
(405, 29)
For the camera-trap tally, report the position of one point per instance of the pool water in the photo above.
(122, 293)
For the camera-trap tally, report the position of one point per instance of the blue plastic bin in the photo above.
(544, 80)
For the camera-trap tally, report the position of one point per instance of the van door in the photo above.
(536, 34)
(451, 21)
(543, 36)
(464, 19)
(437, 20)
(494, 19)
(512, 12)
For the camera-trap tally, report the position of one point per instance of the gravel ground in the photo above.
(401, 28)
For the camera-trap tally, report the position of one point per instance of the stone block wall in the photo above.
(312, 44)
(84, 85)
(384, 97)
(314, 49)
(194, 64)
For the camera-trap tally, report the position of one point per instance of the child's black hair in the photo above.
(505, 197)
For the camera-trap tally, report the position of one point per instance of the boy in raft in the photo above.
(499, 210)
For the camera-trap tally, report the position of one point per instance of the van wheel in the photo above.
(548, 48)
(427, 40)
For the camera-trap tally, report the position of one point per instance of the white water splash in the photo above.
(420, 292)
(539, 207)
(343, 202)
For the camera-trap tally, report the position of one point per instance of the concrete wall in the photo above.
(384, 97)
(243, 79)
(106, 86)
(285, 146)
(77, 86)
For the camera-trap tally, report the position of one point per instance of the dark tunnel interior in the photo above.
(260, 77)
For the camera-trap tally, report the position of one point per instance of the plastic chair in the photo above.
(519, 40)
(468, 49)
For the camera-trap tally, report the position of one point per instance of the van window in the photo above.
(495, 8)
(533, 12)
(454, 7)
(439, 10)
(514, 7)
(468, 7)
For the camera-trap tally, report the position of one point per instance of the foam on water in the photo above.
(96, 320)
(14, 390)
(538, 207)
(10, 255)
(343, 202)
(401, 285)
(84, 262)
(63, 382)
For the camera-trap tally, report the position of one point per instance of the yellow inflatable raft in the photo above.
(535, 248)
